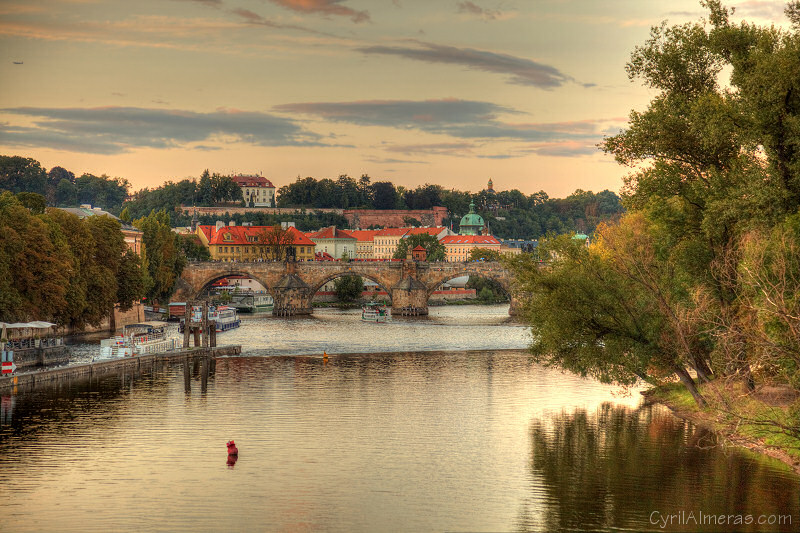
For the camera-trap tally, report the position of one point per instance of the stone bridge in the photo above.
(293, 284)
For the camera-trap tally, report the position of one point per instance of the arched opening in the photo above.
(371, 289)
(468, 287)
(241, 290)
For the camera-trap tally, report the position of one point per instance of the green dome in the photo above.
(471, 223)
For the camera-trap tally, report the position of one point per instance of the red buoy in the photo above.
(232, 449)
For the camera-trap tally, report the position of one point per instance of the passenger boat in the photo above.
(375, 312)
(138, 339)
(225, 317)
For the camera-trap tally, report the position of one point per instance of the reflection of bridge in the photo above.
(293, 285)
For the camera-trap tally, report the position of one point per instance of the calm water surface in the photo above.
(424, 425)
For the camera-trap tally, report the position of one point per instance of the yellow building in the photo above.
(246, 243)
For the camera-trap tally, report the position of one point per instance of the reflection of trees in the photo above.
(613, 468)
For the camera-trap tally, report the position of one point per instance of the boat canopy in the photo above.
(149, 324)
(26, 325)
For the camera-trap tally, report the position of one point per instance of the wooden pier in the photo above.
(27, 380)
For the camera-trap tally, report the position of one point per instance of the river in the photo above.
(431, 424)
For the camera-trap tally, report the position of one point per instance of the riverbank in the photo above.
(750, 421)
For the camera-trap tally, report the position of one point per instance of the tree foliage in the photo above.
(434, 249)
(700, 275)
(348, 288)
(57, 267)
(161, 258)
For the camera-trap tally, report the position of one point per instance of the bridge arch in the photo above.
(205, 283)
(318, 283)
(500, 277)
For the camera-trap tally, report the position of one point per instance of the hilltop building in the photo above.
(257, 191)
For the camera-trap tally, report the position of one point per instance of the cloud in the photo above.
(326, 7)
(114, 130)
(519, 70)
(474, 9)
(763, 9)
(466, 119)
(455, 149)
(407, 114)
(565, 149)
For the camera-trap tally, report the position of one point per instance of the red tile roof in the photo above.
(239, 235)
(389, 232)
(252, 181)
(331, 233)
(363, 234)
(469, 239)
(426, 231)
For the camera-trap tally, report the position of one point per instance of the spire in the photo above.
(194, 220)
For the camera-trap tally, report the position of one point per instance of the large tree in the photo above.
(434, 249)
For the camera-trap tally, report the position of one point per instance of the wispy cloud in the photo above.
(114, 130)
(461, 119)
(472, 8)
(325, 7)
(456, 149)
(565, 149)
(519, 70)
(407, 114)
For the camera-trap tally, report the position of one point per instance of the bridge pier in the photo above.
(292, 297)
(409, 298)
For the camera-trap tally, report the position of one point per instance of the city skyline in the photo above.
(454, 93)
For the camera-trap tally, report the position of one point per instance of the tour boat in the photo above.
(225, 317)
(138, 339)
(375, 312)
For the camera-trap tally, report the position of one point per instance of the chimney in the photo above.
(220, 224)
(232, 223)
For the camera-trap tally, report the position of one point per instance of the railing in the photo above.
(30, 343)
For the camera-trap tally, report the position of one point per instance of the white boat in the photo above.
(375, 312)
(226, 317)
(138, 339)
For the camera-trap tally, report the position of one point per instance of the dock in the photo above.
(30, 379)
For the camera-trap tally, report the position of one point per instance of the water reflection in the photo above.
(625, 468)
(415, 441)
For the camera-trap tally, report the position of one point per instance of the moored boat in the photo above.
(225, 317)
(138, 339)
(375, 312)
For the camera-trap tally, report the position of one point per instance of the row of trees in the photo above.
(55, 266)
(59, 186)
(701, 278)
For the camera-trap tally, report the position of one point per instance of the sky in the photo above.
(451, 92)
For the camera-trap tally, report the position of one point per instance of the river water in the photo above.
(434, 424)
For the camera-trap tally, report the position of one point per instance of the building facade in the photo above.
(338, 243)
(459, 247)
(247, 243)
(257, 191)
(365, 241)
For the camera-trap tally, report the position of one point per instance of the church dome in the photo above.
(471, 223)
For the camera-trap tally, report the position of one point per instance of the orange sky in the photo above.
(450, 92)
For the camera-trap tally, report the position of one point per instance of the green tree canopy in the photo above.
(434, 249)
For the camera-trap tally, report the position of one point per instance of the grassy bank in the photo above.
(763, 420)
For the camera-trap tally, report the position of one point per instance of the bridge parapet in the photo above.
(294, 284)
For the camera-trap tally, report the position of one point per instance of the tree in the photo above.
(193, 249)
(348, 288)
(22, 174)
(161, 257)
(33, 201)
(484, 254)
(384, 195)
(34, 264)
(275, 242)
(434, 249)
